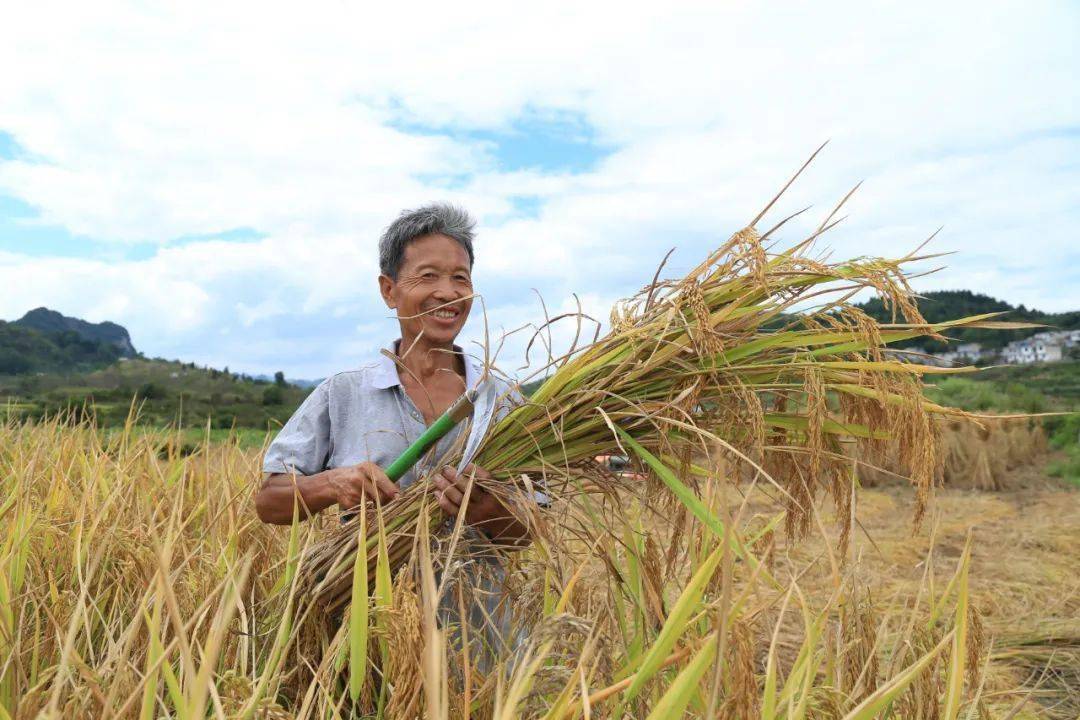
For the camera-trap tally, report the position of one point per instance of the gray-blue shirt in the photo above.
(366, 415)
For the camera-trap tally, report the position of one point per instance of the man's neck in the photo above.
(425, 361)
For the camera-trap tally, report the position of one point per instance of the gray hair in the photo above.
(437, 218)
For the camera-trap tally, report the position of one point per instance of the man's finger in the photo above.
(464, 479)
(387, 489)
(383, 485)
(473, 469)
(452, 478)
(447, 507)
(461, 482)
(454, 495)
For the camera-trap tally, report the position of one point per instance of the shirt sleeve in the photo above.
(303, 445)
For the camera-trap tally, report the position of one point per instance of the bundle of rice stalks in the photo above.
(756, 351)
(983, 455)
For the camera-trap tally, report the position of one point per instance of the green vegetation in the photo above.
(43, 340)
(942, 305)
(990, 396)
(190, 439)
(51, 322)
(51, 363)
(166, 393)
(26, 350)
(1060, 381)
(1065, 436)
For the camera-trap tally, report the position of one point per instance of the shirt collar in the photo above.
(386, 374)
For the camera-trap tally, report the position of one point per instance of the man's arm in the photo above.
(348, 487)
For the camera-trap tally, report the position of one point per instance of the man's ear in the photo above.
(386, 288)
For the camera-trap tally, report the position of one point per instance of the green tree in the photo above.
(12, 363)
(151, 391)
(273, 395)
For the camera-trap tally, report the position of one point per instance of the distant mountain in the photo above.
(51, 322)
(943, 305)
(25, 350)
(298, 382)
(44, 341)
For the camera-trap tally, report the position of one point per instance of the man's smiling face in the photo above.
(435, 273)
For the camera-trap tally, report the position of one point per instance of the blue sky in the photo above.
(547, 142)
(219, 191)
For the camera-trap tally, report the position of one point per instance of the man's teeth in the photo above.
(445, 314)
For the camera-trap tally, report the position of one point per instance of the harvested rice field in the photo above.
(1024, 577)
(92, 531)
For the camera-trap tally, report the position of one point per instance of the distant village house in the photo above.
(1045, 347)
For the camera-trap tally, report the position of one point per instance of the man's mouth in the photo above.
(445, 313)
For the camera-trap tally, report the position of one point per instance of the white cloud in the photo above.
(143, 126)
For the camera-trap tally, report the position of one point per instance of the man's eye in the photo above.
(430, 276)
(462, 278)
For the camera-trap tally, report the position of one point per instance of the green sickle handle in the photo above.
(454, 414)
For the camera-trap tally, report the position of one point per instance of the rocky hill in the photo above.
(45, 342)
(50, 322)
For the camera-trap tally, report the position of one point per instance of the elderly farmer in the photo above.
(355, 423)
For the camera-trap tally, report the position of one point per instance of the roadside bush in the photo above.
(223, 421)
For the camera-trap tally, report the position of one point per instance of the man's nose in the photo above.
(445, 290)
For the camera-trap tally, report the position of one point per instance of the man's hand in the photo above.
(283, 493)
(452, 486)
(483, 510)
(357, 484)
